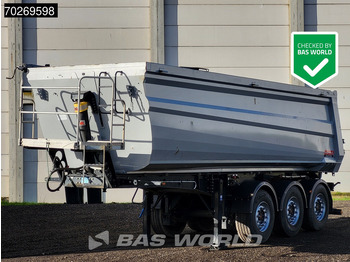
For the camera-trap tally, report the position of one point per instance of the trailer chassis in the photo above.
(228, 198)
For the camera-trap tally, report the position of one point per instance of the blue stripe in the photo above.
(224, 108)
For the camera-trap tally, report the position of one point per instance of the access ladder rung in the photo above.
(99, 166)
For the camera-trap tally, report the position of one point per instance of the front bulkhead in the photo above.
(54, 91)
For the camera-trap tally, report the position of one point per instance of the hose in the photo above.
(61, 175)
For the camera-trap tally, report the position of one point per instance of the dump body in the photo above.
(180, 119)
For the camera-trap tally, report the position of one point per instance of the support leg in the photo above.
(85, 196)
(147, 214)
(219, 198)
(104, 195)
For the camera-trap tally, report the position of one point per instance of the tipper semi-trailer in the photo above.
(209, 150)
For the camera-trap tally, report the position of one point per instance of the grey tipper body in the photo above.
(192, 120)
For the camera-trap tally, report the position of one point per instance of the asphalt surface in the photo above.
(62, 232)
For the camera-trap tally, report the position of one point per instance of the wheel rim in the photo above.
(293, 211)
(320, 207)
(262, 216)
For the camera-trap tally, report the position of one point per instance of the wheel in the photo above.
(260, 221)
(168, 226)
(316, 215)
(157, 220)
(290, 219)
(201, 224)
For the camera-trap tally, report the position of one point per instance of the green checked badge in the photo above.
(314, 57)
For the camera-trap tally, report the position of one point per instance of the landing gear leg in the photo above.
(219, 202)
(147, 204)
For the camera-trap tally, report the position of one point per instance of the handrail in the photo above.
(48, 87)
(48, 113)
(25, 121)
(111, 125)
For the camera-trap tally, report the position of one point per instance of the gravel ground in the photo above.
(61, 232)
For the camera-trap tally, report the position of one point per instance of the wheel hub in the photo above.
(262, 216)
(319, 207)
(293, 211)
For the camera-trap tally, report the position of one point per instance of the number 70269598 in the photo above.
(30, 10)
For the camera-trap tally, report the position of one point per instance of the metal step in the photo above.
(94, 166)
(100, 145)
(48, 143)
(84, 181)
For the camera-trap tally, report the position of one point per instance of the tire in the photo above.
(316, 216)
(176, 227)
(290, 219)
(201, 224)
(260, 221)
